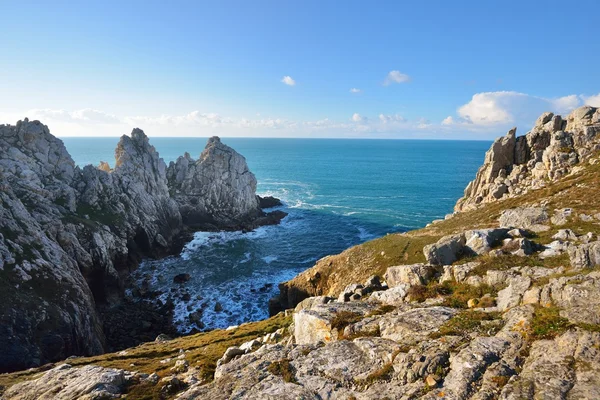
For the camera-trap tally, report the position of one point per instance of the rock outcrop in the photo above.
(552, 149)
(218, 188)
(69, 236)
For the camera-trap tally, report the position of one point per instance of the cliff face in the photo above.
(514, 165)
(70, 236)
(217, 188)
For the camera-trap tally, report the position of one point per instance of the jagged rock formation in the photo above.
(217, 188)
(552, 149)
(69, 236)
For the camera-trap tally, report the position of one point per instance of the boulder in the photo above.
(415, 274)
(512, 295)
(446, 250)
(393, 296)
(70, 383)
(481, 241)
(528, 218)
(319, 323)
(585, 255)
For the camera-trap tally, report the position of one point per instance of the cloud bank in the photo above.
(485, 116)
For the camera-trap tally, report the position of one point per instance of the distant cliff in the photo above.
(551, 150)
(69, 236)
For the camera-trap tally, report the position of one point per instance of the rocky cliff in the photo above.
(217, 188)
(514, 165)
(69, 237)
(501, 301)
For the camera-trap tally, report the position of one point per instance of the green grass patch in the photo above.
(467, 322)
(547, 323)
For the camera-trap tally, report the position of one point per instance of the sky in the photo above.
(338, 69)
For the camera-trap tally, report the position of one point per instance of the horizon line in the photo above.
(276, 137)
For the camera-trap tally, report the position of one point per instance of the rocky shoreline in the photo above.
(70, 236)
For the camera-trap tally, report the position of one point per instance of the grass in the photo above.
(468, 322)
(202, 351)
(455, 294)
(344, 318)
(547, 323)
(383, 309)
(283, 369)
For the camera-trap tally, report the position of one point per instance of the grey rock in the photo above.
(393, 296)
(551, 150)
(512, 295)
(68, 383)
(585, 255)
(217, 188)
(528, 218)
(315, 324)
(446, 250)
(481, 241)
(415, 274)
(470, 363)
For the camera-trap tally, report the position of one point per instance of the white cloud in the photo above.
(384, 119)
(355, 90)
(395, 77)
(493, 109)
(356, 117)
(84, 115)
(593, 100)
(288, 80)
(449, 120)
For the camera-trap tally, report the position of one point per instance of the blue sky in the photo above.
(436, 69)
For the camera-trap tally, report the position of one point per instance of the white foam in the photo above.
(269, 259)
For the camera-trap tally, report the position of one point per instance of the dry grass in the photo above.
(468, 322)
(283, 369)
(202, 351)
(455, 294)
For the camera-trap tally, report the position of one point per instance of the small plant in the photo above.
(344, 318)
(382, 374)
(455, 294)
(383, 309)
(547, 323)
(467, 322)
(283, 369)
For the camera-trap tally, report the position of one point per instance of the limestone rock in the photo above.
(217, 188)
(529, 218)
(551, 150)
(69, 383)
(415, 274)
(316, 324)
(446, 250)
(585, 255)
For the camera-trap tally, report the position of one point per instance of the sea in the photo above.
(337, 192)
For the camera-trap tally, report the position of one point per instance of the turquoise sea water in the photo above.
(338, 193)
